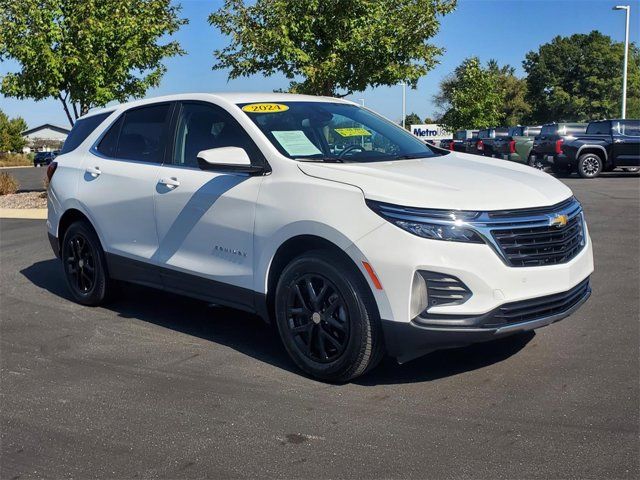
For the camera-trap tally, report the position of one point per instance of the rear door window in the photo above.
(139, 134)
(81, 130)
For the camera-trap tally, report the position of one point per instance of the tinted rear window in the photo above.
(81, 130)
(549, 130)
(599, 128)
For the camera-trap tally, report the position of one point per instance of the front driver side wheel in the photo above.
(327, 318)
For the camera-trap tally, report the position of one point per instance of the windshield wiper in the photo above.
(410, 156)
(320, 159)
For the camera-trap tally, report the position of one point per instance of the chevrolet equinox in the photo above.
(354, 237)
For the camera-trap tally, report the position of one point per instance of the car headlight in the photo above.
(435, 224)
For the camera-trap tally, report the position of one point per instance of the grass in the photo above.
(8, 184)
(15, 160)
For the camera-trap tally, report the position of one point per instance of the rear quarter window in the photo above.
(81, 130)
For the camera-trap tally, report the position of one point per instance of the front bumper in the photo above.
(406, 341)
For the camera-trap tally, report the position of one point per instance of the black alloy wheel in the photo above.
(318, 318)
(80, 263)
(327, 317)
(84, 265)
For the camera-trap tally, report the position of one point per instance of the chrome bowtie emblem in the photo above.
(559, 221)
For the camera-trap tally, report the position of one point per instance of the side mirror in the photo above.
(227, 159)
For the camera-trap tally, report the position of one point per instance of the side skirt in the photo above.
(187, 284)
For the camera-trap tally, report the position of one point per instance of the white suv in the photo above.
(350, 234)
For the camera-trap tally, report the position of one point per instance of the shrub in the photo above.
(8, 184)
(15, 160)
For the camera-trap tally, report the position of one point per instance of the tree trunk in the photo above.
(66, 108)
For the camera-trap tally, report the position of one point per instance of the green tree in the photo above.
(579, 78)
(471, 97)
(86, 53)
(11, 139)
(515, 108)
(411, 119)
(331, 47)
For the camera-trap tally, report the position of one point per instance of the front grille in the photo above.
(527, 310)
(541, 245)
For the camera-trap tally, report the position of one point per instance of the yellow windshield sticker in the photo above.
(265, 108)
(353, 132)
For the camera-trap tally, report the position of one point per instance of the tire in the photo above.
(590, 165)
(84, 265)
(533, 162)
(331, 331)
(631, 169)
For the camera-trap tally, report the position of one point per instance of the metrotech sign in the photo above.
(430, 131)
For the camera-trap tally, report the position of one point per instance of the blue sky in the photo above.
(502, 29)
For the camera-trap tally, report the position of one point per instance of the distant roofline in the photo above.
(47, 125)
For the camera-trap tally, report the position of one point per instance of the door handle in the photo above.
(93, 171)
(170, 183)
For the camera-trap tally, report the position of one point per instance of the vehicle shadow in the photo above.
(249, 335)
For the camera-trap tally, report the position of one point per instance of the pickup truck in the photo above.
(457, 143)
(607, 144)
(548, 144)
(517, 145)
(484, 143)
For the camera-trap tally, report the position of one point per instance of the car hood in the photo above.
(454, 181)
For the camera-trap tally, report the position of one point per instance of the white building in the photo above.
(45, 137)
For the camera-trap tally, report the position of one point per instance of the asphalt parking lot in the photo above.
(29, 178)
(157, 385)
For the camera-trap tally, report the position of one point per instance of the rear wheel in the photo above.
(84, 265)
(631, 169)
(590, 165)
(535, 162)
(326, 317)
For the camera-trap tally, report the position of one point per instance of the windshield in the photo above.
(333, 132)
